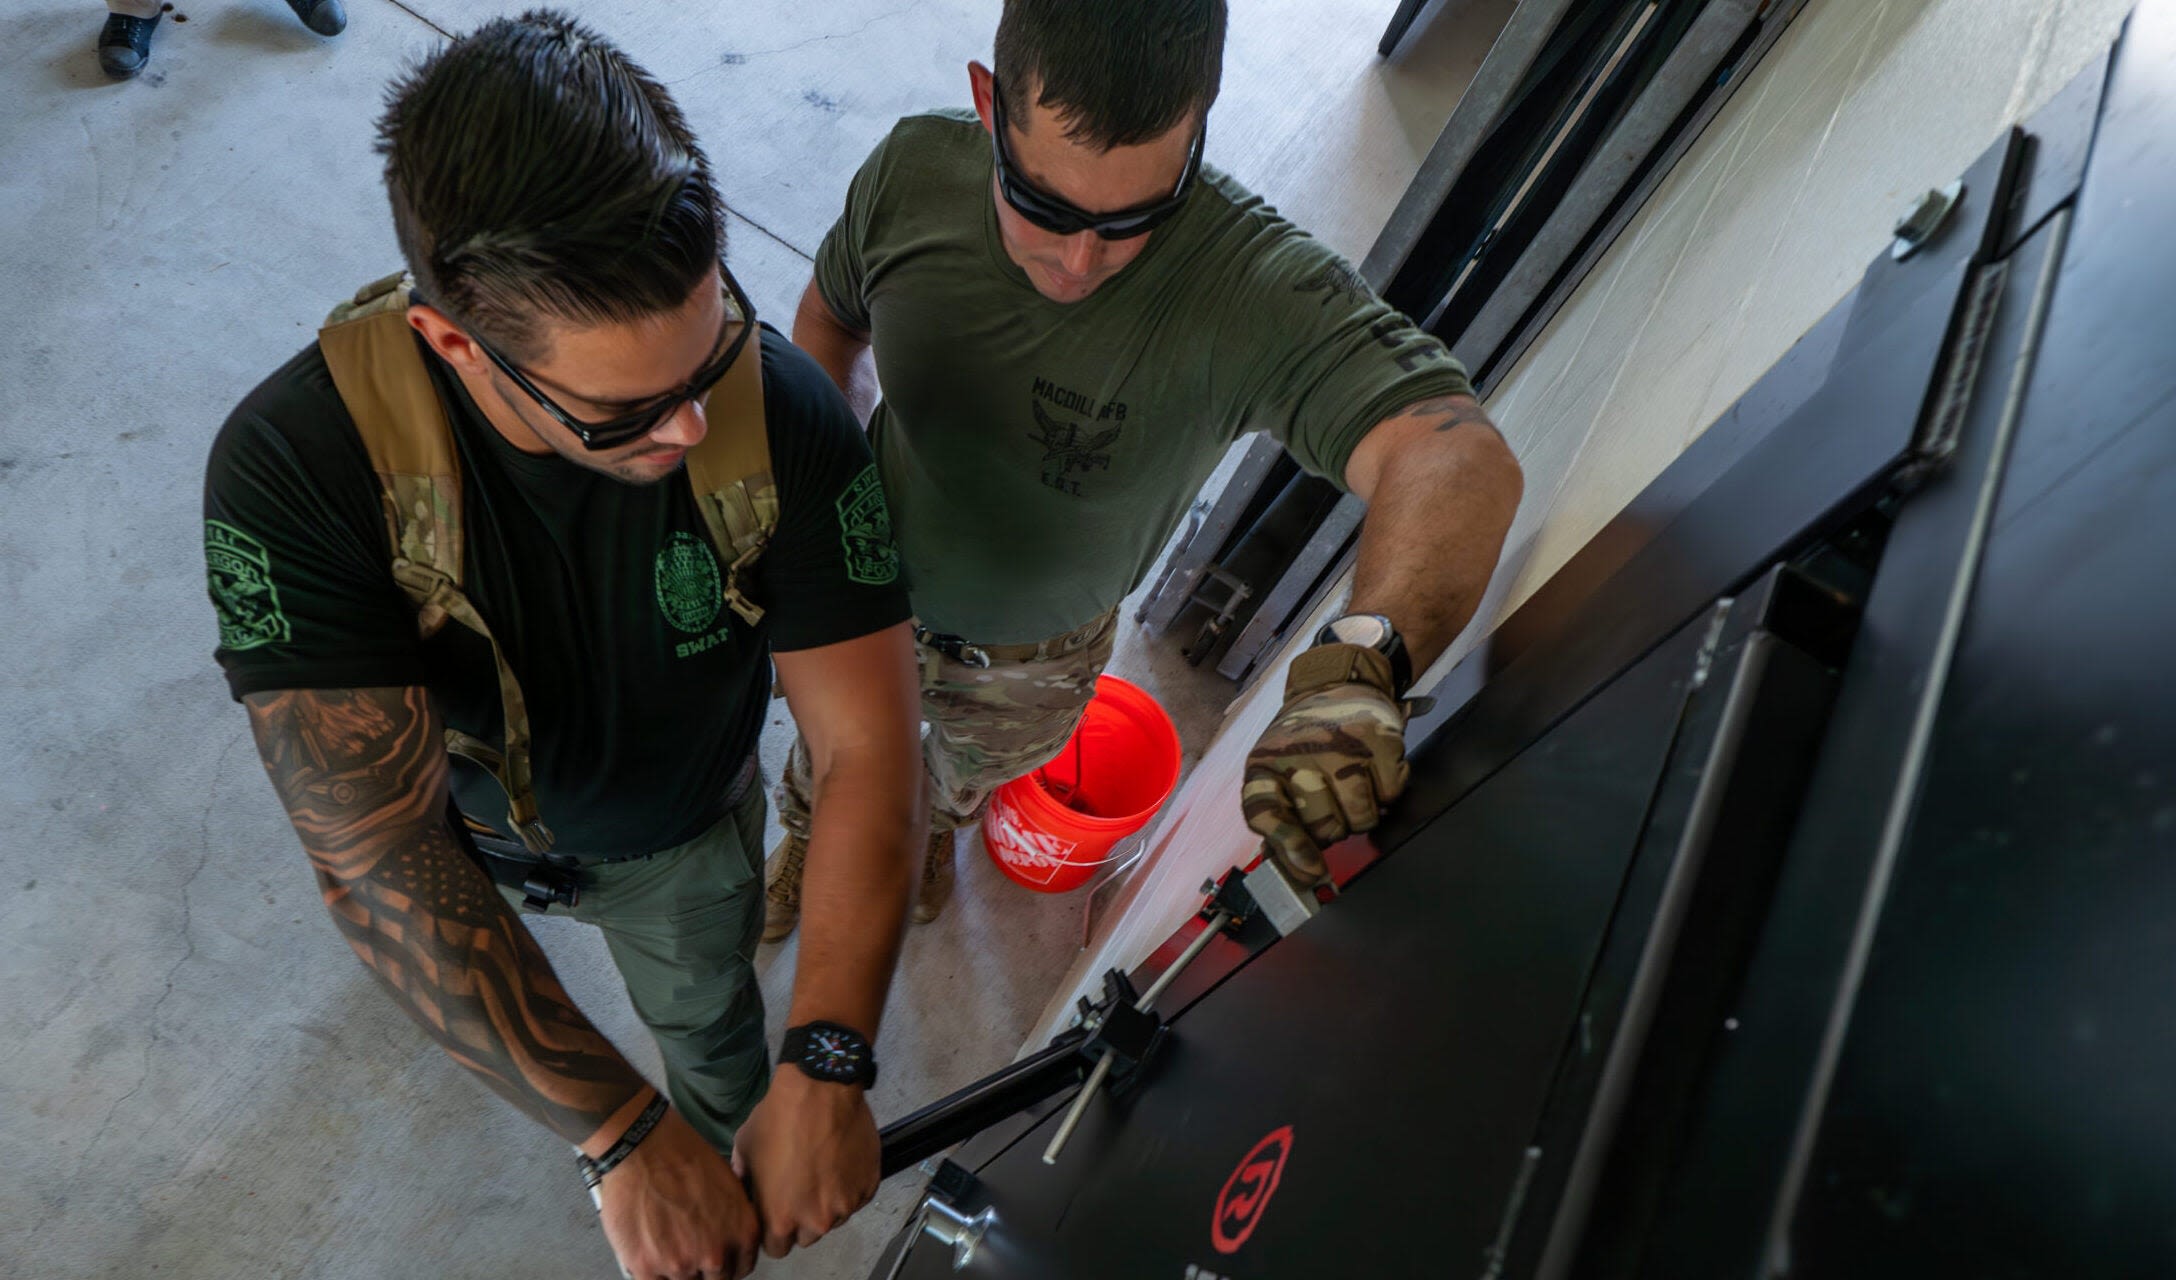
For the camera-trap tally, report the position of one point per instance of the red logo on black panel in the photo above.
(1246, 1193)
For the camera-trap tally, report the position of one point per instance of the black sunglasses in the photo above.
(740, 321)
(1066, 218)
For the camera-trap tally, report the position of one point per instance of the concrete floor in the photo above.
(196, 1078)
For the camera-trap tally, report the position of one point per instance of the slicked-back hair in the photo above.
(537, 173)
(1117, 72)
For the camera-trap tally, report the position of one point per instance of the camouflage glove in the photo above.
(1329, 762)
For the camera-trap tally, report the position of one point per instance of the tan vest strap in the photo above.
(730, 473)
(387, 389)
(510, 763)
(386, 386)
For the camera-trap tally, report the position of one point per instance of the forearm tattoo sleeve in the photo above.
(363, 775)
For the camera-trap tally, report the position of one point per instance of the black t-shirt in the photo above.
(645, 694)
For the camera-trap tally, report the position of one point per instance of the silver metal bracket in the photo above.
(1923, 219)
(1283, 904)
(948, 1226)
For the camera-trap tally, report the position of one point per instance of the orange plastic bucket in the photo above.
(1051, 829)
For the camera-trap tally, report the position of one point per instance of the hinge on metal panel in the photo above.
(1713, 640)
(1521, 1183)
(1944, 420)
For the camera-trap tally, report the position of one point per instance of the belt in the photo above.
(545, 878)
(961, 649)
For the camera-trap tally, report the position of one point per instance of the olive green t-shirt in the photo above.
(1037, 454)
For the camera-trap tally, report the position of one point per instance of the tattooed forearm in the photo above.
(1444, 412)
(363, 775)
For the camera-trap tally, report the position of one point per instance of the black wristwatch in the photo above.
(1373, 631)
(829, 1052)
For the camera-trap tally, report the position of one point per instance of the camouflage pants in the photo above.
(985, 725)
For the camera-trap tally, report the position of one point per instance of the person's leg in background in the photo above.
(992, 724)
(325, 17)
(124, 43)
(986, 726)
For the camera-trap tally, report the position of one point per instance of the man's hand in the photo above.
(812, 1157)
(1334, 756)
(674, 1209)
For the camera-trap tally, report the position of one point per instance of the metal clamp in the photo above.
(938, 1219)
(549, 884)
(956, 648)
(947, 1225)
(1264, 892)
(1104, 1064)
(1285, 905)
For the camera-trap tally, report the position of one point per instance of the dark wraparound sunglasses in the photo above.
(1054, 214)
(740, 321)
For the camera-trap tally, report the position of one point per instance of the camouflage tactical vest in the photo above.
(382, 379)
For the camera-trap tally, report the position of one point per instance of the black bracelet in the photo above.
(593, 1171)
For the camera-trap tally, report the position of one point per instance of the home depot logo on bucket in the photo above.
(1035, 855)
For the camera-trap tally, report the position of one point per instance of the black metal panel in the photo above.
(1408, 1037)
(1492, 89)
(2002, 1106)
(1736, 1154)
(2058, 138)
(2114, 301)
(1693, 900)
(1806, 475)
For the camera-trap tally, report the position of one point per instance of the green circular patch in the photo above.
(689, 586)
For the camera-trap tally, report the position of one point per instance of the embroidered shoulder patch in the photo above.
(239, 570)
(865, 526)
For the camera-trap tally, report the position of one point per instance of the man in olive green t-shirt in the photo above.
(1072, 319)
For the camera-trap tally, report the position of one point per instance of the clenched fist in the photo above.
(1334, 756)
(675, 1210)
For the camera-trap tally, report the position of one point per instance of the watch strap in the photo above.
(593, 1170)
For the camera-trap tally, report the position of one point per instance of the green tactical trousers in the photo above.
(682, 926)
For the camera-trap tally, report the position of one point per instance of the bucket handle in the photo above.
(1122, 848)
(1065, 795)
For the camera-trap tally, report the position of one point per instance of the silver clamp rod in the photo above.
(1102, 1069)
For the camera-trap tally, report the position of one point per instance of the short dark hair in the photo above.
(1117, 72)
(536, 171)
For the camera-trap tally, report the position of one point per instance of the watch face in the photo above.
(1363, 629)
(832, 1054)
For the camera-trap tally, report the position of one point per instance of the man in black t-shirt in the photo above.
(570, 319)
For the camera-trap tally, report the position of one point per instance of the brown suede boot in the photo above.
(782, 894)
(936, 883)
